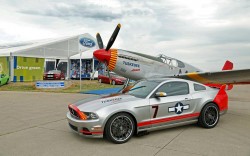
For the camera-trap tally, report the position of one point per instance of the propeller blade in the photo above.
(113, 37)
(99, 41)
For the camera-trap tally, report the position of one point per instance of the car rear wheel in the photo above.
(7, 81)
(209, 116)
(120, 128)
(113, 82)
(100, 80)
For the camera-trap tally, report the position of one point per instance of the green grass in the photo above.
(71, 86)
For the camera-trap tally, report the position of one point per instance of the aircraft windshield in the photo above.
(171, 61)
(143, 88)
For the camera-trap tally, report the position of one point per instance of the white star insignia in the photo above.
(179, 107)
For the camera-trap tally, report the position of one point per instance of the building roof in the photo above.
(62, 48)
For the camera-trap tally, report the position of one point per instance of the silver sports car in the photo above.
(149, 105)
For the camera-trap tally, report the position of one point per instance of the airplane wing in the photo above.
(219, 77)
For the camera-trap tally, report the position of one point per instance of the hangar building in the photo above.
(28, 61)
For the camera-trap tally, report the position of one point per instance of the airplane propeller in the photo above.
(99, 41)
(109, 45)
(113, 37)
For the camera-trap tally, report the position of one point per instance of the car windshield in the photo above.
(55, 71)
(143, 88)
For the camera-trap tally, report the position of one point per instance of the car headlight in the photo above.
(91, 115)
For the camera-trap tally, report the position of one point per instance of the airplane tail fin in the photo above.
(227, 66)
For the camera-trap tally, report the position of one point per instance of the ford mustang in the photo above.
(114, 78)
(54, 75)
(148, 105)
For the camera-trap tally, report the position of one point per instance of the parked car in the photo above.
(54, 75)
(4, 79)
(115, 79)
(148, 105)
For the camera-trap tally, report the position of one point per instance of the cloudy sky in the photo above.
(203, 33)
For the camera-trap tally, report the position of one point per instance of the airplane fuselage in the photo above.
(140, 66)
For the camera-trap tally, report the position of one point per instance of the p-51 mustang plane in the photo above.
(137, 66)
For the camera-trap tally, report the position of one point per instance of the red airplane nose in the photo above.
(102, 55)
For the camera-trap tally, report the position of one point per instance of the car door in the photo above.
(175, 107)
(106, 78)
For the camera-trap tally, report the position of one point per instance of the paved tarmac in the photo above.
(34, 123)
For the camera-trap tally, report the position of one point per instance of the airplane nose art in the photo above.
(109, 56)
(113, 59)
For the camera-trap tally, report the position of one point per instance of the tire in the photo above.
(113, 82)
(119, 128)
(7, 81)
(209, 116)
(100, 80)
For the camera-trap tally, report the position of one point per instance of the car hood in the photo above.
(94, 103)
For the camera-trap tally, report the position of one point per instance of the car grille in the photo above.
(50, 75)
(73, 127)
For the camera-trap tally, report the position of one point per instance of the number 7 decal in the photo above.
(156, 110)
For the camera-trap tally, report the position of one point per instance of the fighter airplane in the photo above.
(136, 66)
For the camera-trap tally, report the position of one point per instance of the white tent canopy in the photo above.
(85, 55)
(61, 48)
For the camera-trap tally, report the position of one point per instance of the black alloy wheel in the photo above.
(209, 116)
(120, 128)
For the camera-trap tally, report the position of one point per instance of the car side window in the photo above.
(198, 87)
(174, 88)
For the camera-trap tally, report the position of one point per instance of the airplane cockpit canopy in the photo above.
(171, 61)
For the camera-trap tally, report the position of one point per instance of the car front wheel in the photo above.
(120, 128)
(209, 116)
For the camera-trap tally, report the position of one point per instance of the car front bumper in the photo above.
(86, 128)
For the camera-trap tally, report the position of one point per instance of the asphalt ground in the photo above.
(33, 123)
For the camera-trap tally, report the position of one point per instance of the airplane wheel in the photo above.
(209, 116)
(100, 80)
(113, 82)
(120, 128)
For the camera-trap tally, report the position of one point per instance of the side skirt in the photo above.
(170, 125)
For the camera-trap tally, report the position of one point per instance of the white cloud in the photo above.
(203, 33)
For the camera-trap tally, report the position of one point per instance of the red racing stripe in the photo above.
(157, 121)
(88, 132)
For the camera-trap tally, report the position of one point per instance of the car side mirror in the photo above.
(160, 94)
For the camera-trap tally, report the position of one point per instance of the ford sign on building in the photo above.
(86, 42)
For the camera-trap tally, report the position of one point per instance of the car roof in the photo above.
(161, 80)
